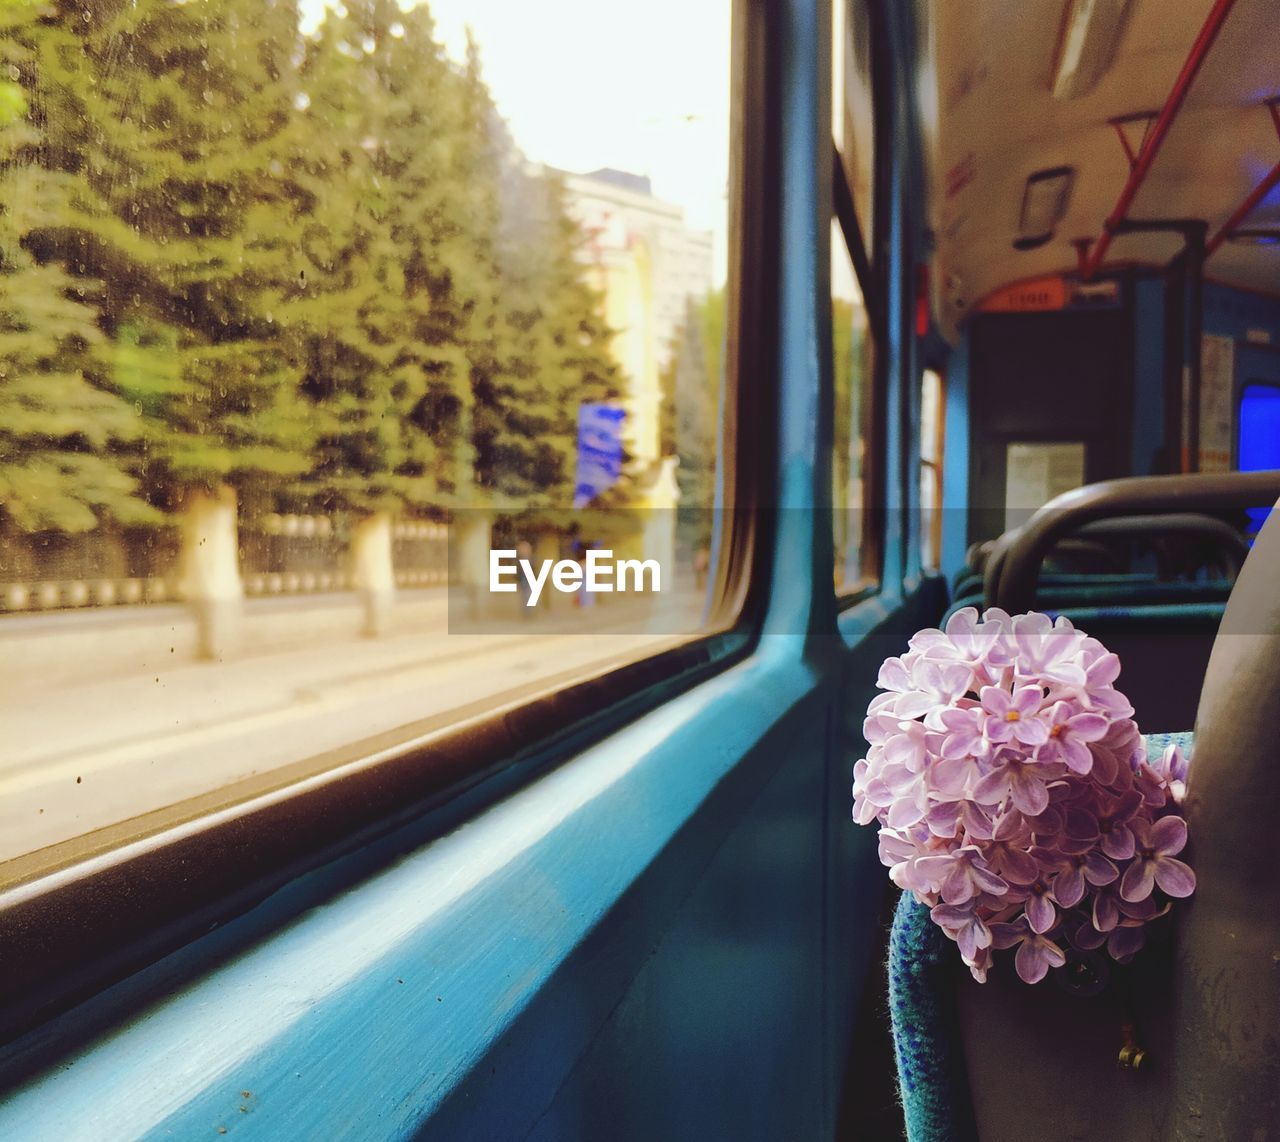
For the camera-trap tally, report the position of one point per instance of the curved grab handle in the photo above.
(1011, 580)
(1190, 523)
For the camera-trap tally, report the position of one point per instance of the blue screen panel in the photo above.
(1259, 436)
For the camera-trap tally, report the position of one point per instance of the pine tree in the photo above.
(59, 421)
(179, 208)
(396, 270)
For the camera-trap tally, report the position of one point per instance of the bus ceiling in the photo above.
(1021, 120)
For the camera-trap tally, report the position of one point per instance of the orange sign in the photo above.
(1037, 295)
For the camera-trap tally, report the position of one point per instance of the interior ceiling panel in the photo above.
(996, 121)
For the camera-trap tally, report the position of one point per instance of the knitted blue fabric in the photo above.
(926, 1040)
(931, 1078)
(1158, 743)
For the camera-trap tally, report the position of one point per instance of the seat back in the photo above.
(1203, 998)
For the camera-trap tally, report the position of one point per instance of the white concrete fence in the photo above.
(217, 560)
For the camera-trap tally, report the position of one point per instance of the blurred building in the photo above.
(648, 265)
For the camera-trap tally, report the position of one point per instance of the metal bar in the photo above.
(1174, 358)
(1255, 196)
(1015, 584)
(1118, 124)
(1155, 140)
(1195, 253)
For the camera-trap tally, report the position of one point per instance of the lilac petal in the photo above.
(1126, 942)
(1106, 912)
(1118, 844)
(1098, 870)
(1138, 880)
(988, 881)
(913, 704)
(1176, 764)
(894, 676)
(1041, 914)
(957, 885)
(997, 729)
(1076, 754)
(962, 622)
(1081, 825)
(1105, 765)
(1143, 909)
(957, 679)
(1031, 731)
(1068, 887)
(894, 848)
(1035, 957)
(1169, 835)
(898, 780)
(963, 743)
(1068, 673)
(1027, 699)
(1032, 967)
(1012, 826)
(1087, 938)
(995, 700)
(1032, 625)
(991, 789)
(1088, 727)
(907, 749)
(1174, 877)
(967, 940)
(1028, 793)
(904, 813)
(948, 775)
(1006, 935)
(977, 822)
(1018, 867)
(1103, 671)
(944, 819)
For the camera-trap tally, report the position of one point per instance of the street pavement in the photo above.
(84, 754)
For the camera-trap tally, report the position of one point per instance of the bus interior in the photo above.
(310, 831)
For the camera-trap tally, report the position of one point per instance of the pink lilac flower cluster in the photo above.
(1014, 794)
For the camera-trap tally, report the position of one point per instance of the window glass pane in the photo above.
(851, 357)
(852, 117)
(304, 311)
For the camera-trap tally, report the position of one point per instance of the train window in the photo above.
(852, 132)
(357, 374)
(852, 364)
(932, 435)
(852, 113)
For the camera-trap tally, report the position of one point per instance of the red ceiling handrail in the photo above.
(1155, 139)
(1256, 195)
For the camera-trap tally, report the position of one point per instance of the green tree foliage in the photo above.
(690, 414)
(180, 211)
(316, 268)
(58, 415)
(392, 268)
(849, 354)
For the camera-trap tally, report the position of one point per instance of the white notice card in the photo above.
(1035, 473)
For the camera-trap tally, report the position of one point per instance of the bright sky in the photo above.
(641, 86)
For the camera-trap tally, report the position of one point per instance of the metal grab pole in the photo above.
(1155, 140)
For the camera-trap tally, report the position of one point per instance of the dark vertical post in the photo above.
(1175, 348)
(1194, 252)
